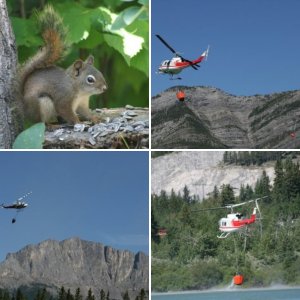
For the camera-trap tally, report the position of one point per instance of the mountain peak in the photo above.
(74, 263)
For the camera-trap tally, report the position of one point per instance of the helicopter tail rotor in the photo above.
(206, 54)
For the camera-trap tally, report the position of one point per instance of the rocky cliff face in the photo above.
(76, 263)
(201, 171)
(212, 118)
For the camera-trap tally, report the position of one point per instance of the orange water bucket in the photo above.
(180, 95)
(238, 279)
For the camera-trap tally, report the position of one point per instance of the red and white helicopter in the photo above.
(178, 63)
(236, 222)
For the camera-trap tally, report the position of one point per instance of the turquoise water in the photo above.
(285, 294)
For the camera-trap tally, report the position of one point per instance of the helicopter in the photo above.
(18, 205)
(235, 221)
(178, 63)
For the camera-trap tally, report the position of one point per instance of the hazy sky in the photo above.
(255, 44)
(97, 196)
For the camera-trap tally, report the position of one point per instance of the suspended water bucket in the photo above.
(180, 95)
(238, 279)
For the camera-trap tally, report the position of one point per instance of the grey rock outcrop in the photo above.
(213, 119)
(76, 263)
(201, 171)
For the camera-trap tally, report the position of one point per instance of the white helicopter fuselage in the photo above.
(173, 66)
(226, 224)
(236, 221)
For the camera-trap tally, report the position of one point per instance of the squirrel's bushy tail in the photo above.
(54, 34)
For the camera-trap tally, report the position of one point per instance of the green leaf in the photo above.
(140, 28)
(111, 4)
(118, 23)
(132, 43)
(78, 20)
(26, 32)
(131, 13)
(31, 138)
(101, 15)
(141, 61)
(144, 2)
(116, 42)
(93, 40)
(126, 17)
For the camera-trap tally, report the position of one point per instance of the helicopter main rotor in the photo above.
(194, 66)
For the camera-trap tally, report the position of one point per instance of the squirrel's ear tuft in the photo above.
(78, 66)
(90, 60)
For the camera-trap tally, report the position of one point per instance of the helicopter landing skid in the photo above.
(177, 78)
(223, 235)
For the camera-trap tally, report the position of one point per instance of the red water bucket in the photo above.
(238, 279)
(180, 95)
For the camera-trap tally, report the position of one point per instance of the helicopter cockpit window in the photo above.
(239, 216)
(165, 62)
(223, 223)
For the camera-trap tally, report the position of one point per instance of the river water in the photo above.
(258, 294)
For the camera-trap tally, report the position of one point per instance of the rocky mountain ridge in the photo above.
(211, 118)
(201, 171)
(74, 263)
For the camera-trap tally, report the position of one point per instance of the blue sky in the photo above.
(254, 44)
(97, 196)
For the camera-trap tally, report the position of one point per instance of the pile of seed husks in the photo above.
(128, 121)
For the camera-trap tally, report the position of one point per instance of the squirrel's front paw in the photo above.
(96, 119)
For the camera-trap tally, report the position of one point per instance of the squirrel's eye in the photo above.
(90, 79)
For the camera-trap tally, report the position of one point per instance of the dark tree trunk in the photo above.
(9, 108)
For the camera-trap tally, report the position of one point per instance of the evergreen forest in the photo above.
(24, 293)
(248, 158)
(187, 255)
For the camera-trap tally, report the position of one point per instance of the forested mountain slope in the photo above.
(190, 256)
(212, 118)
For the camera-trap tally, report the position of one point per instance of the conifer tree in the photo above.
(102, 295)
(6, 295)
(107, 296)
(41, 294)
(19, 295)
(215, 193)
(62, 294)
(278, 181)
(142, 294)
(90, 295)
(262, 186)
(126, 296)
(69, 295)
(227, 195)
(78, 295)
(186, 195)
(154, 228)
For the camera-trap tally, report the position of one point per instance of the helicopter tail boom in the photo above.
(202, 56)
